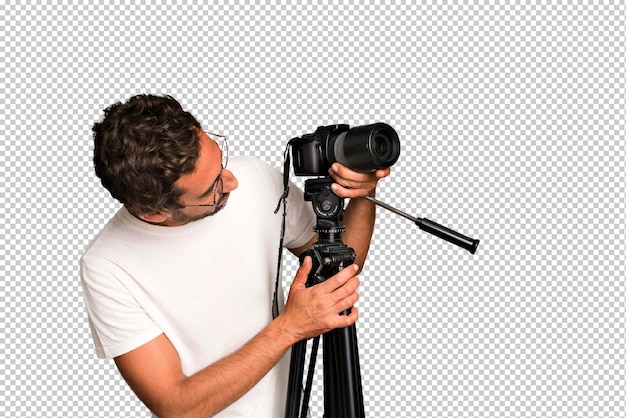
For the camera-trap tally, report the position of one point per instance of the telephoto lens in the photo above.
(367, 148)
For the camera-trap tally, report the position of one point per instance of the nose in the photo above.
(229, 181)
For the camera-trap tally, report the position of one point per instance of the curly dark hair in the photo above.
(142, 147)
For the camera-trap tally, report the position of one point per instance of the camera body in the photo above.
(363, 148)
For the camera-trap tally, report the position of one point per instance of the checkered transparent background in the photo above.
(511, 118)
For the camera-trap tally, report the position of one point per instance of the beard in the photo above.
(179, 216)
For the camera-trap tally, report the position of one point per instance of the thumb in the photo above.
(299, 282)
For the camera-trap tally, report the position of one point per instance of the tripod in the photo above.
(343, 391)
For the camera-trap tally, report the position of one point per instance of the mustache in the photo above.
(222, 198)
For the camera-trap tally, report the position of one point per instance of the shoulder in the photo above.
(99, 245)
(256, 172)
(251, 164)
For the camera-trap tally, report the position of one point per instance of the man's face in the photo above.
(207, 188)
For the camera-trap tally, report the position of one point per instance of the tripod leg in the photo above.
(333, 399)
(309, 379)
(294, 386)
(343, 392)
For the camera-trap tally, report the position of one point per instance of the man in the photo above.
(178, 286)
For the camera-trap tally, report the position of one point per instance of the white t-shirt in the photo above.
(207, 285)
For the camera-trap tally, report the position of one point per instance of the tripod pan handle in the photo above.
(448, 234)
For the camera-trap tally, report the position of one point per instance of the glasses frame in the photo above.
(218, 184)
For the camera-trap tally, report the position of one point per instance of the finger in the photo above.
(343, 321)
(350, 193)
(299, 282)
(346, 296)
(340, 171)
(349, 177)
(383, 172)
(347, 300)
(351, 184)
(339, 279)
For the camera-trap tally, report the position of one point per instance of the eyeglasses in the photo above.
(223, 144)
(218, 184)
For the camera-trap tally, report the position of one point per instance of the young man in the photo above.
(178, 286)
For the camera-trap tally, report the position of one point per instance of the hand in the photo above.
(312, 311)
(351, 184)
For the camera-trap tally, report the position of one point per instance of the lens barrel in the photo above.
(367, 148)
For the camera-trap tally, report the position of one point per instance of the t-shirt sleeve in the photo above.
(118, 323)
(300, 219)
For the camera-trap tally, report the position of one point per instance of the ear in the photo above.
(154, 217)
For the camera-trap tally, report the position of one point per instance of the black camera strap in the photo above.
(283, 200)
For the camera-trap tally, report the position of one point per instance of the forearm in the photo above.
(155, 374)
(359, 222)
(219, 385)
(360, 214)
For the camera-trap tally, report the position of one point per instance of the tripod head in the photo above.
(329, 253)
(328, 207)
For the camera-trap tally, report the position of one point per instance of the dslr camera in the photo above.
(363, 148)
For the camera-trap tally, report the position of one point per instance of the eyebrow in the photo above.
(211, 187)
